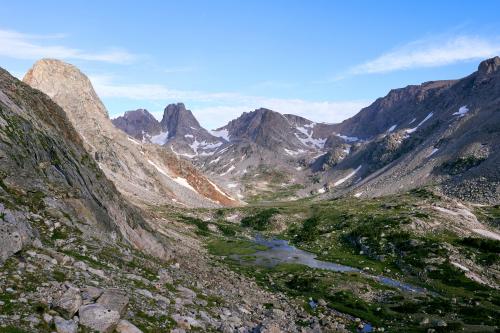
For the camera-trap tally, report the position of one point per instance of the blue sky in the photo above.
(320, 59)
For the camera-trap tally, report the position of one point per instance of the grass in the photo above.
(12, 329)
(202, 226)
(375, 234)
(261, 220)
(276, 193)
(227, 247)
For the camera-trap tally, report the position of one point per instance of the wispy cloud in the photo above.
(429, 53)
(216, 109)
(319, 111)
(18, 45)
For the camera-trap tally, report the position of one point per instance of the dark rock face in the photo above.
(178, 130)
(444, 132)
(265, 128)
(399, 108)
(178, 121)
(137, 123)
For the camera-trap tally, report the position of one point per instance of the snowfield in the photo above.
(221, 134)
(159, 139)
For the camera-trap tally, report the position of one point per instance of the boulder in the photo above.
(65, 326)
(99, 318)
(114, 299)
(185, 292)
(10, 241)
(68, 303)
(91, 293)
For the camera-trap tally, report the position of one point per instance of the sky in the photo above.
(323, 60)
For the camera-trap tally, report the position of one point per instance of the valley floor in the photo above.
(214, 283)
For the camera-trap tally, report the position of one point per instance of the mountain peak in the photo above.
(56, 77)
(489, 66)
(136, 122)
(176, 118)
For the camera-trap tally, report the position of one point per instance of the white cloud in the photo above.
(330, 112)
(430, 53)
(216, 109)
(24, 46)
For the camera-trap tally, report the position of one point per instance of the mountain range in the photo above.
(272, 223)
(443, 133)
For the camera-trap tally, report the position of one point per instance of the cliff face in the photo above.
(140, 171)
(46, 174)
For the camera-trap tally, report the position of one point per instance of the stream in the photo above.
(280, 251)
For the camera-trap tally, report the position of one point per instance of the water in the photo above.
(280, 251)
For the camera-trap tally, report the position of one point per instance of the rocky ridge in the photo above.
(439, 132)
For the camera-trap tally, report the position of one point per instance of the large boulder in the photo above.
(114, 299)
(68, 303)
(99, 318)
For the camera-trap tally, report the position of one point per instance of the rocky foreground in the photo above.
(68, 282)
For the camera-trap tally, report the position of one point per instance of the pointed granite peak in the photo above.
(55, 77)
(177, 118)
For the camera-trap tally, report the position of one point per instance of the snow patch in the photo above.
(223, 133)
(411, 130)
(178, 180)
(433, 152)
(412, 121)
(214, 161)
(160, 170)
(133, 140)
(357, 195)
(188, 136)
(159, 139)
(340, 181)
(348, 138)
(293, 152)
(309, 140)
(321, 190)
(392, 128)
(184, 182)
(222, 151)
(231, 168)
(232, 185)
(461, 112)
(203, 145)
